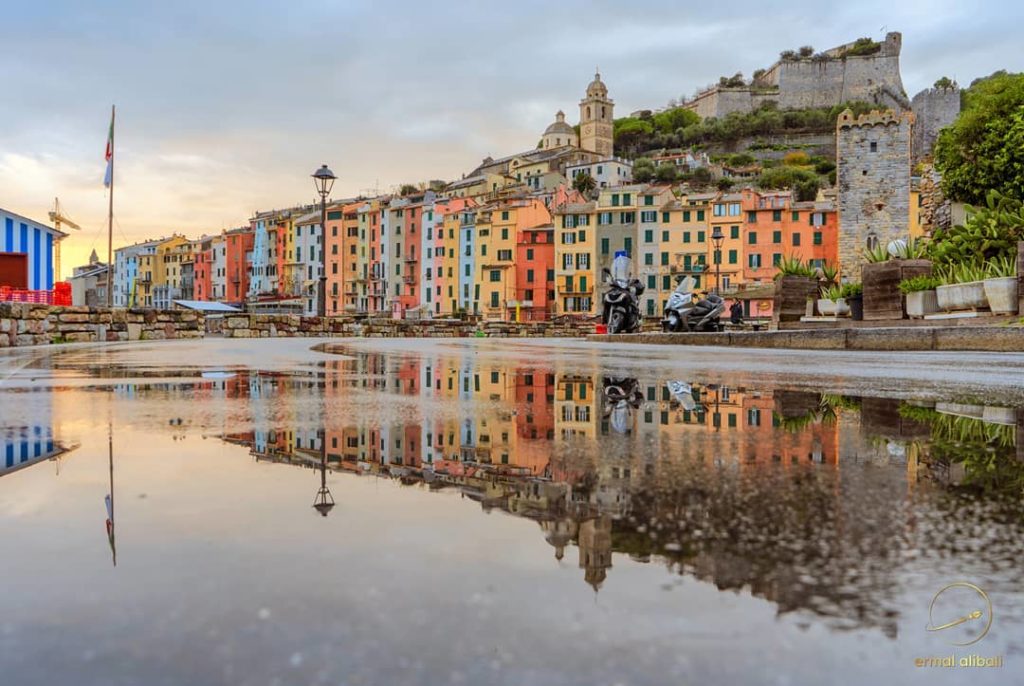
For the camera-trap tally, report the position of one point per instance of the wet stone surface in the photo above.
(409, 512)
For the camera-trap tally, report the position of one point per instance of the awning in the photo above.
(205, 306)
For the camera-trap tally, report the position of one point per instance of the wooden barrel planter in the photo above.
(791, 295)
(881, 281)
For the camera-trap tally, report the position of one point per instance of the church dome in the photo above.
(559, 125)
(597, 89)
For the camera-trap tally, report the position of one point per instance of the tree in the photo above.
(983, 149)
(806, 51)
(676, 118)
(806, 189)
(408, 189)
(629, 131)
(797, 158)
(643, 170)
(665, 173)
(702, 175)
(723, 184)
(584, 183)
(944, 83)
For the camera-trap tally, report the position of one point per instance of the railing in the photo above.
(60, 295)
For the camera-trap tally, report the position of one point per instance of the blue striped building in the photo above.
(37, 241)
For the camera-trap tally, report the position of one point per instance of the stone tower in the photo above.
(934, 110)
(596, 116)
(873, 174)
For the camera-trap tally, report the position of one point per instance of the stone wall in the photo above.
(934, 109)
(23, 324)
(289, 326)
(816, 83)
(874, 184)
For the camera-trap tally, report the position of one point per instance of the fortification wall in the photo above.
(873, 174)
(817, 83)
(934, 109)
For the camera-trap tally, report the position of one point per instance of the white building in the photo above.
(614, 171)
(219, 268)
(309, 267)
(126, 270)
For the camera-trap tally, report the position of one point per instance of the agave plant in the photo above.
(829, 273)
(914, 249)
(920, 283)
(1001, 267)
(794, 266)
(965, 272)
(879, 253)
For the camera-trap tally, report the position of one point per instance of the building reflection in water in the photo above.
(738, 486)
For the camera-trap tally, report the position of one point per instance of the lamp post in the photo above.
(323, 181)
(717, 237)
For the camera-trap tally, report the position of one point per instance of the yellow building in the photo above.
(576, 275)
(916, 227)
(727, 216)
(497, 225)
(152, 281)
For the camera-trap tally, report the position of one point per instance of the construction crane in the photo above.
(58, 218)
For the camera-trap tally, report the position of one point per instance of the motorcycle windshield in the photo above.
(622, 268)
(686, 285)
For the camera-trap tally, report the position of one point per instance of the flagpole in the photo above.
(110, 218)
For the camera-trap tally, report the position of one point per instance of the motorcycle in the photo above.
(683, 314)
(622, 395)
(621, 302)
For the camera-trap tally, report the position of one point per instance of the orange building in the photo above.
(775, 227)
(535, 273)
(238, 256)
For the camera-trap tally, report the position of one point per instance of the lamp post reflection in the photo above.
(324, 501)
(109, 500)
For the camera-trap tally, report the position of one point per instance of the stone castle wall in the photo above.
(874, 185)
(799, 84)
(934, 109)
(23, 324)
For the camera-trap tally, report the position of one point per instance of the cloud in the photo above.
(225, 108)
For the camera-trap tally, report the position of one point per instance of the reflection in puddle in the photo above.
(822, 504)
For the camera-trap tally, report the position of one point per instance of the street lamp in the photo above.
(323, 181)
(717, 237)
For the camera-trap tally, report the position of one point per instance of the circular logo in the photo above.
(962, 612)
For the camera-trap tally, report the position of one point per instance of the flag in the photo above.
(108, 177)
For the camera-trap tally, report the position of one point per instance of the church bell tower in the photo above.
(596, 117)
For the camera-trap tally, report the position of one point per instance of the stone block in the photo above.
(5, 340)
(891, 339)
(241, 333)
(134, 331)
(988, 338)
(80, 337)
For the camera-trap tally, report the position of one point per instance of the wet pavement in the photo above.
(507, 512)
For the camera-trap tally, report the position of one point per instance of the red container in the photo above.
(601, 328)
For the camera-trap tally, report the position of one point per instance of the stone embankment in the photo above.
(290, 325)
(23, 324)
(885, 339)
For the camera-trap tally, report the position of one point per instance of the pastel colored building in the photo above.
(497, 227)
(27, 252)
(535, 273)
(238, 257)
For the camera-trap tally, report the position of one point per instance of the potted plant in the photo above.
(963, 288)
(920, 295)
(1001, 285)
(832, 303)
(796, 284)
(885, 268)
(853, 294)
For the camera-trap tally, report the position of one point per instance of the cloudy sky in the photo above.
(226, 106)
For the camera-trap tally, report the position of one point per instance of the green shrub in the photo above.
(852, 290)
(919, 283)
(794, 266)
(877, 254)
(1001, 267)
(989, 232)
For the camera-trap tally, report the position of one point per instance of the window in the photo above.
(495, 275)
(505, 255)
(649, 259)
(700, 236)
(529, 253)
(666, 283)
(776, 236)
(615, 199)
(817, 238)
(874, 146)
(751, 217)
(734, 209)
(795, 216)
(664, 259)
(776, 259)
(567, 261)
(776, 215)
(604, 246)
(648, 236)
(686, 236)
(494, 298)
(648, 199)
(752, 238)
(627, 245)
(734, 232)
(686, 215)
(666, 216)
(700, 215)
(796, 239)
(664, 236)
(627, 217)
(569, 238)
(733, 256)
(604, 218)
(583, 260)
(504, 232)
(719, 210)
(649, 217)
(581, 236)
(753, 261)
(504, 215)
(626, 198)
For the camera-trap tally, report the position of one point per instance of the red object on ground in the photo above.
(60, 295)
(601, 328)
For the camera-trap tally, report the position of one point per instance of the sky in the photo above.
(226, 107)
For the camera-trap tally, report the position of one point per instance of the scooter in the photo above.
(621, 303)
(621, 397)
(683, 314)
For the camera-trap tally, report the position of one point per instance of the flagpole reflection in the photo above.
(109, 500)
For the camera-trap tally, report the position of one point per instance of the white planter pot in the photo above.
(961, 296)
(1002, 294)
(842, 309)
(826, 307)
(920, 303)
